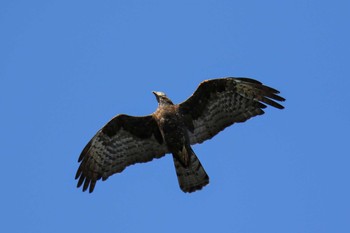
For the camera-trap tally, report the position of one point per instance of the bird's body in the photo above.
(175, 135)
(173, 128)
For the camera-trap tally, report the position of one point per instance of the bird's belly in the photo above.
(174, 133)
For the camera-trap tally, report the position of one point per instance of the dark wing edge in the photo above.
(123, 141)
(219, 103)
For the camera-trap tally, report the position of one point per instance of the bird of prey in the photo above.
(173, 128)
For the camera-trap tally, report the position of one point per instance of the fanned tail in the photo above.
(192, 177)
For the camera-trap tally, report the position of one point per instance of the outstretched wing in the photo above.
(123, 141)
(219, 103)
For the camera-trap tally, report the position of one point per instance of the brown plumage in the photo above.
(215, 105)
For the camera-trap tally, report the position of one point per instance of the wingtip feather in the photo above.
(271, 103)
(81, 180)
(86, 184)
(78, 173)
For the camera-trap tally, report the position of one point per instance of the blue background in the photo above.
(67, 67)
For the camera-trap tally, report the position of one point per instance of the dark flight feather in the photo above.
(123, 141)
(219, 103)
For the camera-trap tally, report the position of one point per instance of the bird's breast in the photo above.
(172, 127)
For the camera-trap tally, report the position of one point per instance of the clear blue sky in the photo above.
(67, 67)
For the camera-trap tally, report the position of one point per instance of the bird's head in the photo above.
(162, 98)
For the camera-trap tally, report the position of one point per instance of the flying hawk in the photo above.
(173, 128)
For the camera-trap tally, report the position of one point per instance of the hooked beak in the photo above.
(156, 94)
